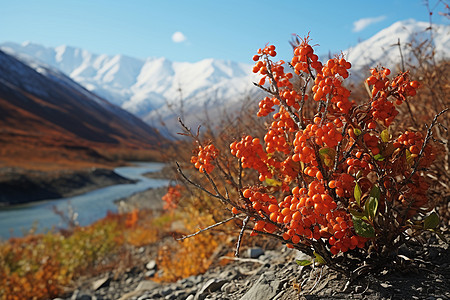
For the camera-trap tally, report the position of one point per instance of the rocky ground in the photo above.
(274, 274)
(420, 272)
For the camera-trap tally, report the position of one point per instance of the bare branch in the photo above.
(195, 184)
(238, 244)
(425, 142)
(243, 259)
(207, 228)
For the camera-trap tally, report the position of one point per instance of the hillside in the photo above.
(48, 122)
(140, 85)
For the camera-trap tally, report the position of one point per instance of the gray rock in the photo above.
(151, 265)
(228, 275)
(166, 291)
(302, 256)
(228, 288)
(77, 295)
(146, 285)
(150, 273)
(100, 283)
(255, 252)
(385, 285)
(266, 287)
(190, 297)
(210, 286)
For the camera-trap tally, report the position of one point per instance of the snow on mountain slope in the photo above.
(382, 49)
(137, 85)
(152, 88)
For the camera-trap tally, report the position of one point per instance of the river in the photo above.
(91, 206)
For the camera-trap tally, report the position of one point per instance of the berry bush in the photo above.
(334, 178)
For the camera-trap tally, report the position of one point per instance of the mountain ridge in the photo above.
(46, 118)
(152, 88)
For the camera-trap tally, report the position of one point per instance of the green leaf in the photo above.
(357, 194)
(272, 182)
(319, 259)
(356, 214)
(371, 207)
(327, 155)
(431, 221)
(362, 228)
(385, 136)
(378, 157)
(357, 131)
(304, 262)
(409, 158)
(375, 192)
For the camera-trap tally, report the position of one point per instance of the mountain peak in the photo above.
(143, 85)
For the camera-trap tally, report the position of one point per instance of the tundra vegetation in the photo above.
(343, 173)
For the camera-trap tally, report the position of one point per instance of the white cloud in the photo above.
(178, 37)
(363, 23)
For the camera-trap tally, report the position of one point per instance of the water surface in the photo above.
(91, 206)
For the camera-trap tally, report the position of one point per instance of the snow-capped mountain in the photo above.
(152, 88)
(382, 49)
(137, 85)
(35, 100)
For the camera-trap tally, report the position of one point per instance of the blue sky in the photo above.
(192, 30)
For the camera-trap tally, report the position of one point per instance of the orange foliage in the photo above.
(132, 218)
(172, 197)
(190, 256)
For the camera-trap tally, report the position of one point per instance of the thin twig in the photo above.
(218, 195)
(317, 281)
(195, 184)
(401, 54)
(238, 244)
(207, 228)
(425, 142)
(243, 259)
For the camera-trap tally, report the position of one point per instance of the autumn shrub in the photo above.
(336, 178)
(44, 266)
(191, 256)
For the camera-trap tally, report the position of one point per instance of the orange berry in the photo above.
(273, 208)
(295, 239)
(259, 225)
(247, 193)
(334, 250)
(415, 84)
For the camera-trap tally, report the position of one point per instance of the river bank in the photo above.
(104, 188)
(20, 186)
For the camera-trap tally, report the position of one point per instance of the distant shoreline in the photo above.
(19, 186)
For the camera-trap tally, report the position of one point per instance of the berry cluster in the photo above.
(382, 109)
(325, 177)
(266, 106)
(328, 84)
(264, 66)
(202, 161)
(304, 58)
(171, 198)
(413, 141)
